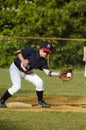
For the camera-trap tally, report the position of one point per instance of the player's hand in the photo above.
(24, 64)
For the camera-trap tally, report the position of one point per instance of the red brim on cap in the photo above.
(46, 50)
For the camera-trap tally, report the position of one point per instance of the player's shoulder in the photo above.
(30, 49)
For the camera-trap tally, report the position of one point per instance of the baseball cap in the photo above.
(47, 47)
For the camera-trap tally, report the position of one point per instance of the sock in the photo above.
(40, 95)
(5, 96)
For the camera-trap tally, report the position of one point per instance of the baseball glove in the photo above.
(67, 74)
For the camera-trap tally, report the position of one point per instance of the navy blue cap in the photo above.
(47, 47)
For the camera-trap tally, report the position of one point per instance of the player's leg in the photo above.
(16, 81)
(38, 82)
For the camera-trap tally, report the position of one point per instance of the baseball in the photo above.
(68, 74)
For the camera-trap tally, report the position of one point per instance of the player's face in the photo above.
(43, 53)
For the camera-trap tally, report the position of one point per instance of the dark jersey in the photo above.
(35, 61)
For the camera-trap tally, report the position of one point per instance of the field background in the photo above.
(44, 120)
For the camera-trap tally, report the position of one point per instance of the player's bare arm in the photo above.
(51, 73)
(84, 54)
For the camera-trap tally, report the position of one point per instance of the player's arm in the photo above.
(84, 53)
(20, 56)
(51, 73)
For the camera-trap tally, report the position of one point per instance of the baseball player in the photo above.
(84, 58)
(23, 67)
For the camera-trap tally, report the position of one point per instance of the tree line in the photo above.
(39, 18)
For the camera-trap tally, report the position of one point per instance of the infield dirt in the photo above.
(58, 103)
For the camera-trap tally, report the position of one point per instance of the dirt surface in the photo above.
(58, 103)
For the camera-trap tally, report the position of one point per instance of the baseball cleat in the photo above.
(43, 105)
(2, 104)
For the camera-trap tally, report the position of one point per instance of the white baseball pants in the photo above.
(16, 76)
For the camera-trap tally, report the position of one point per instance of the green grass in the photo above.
(52, 85)
(13, 120)
(17, 120)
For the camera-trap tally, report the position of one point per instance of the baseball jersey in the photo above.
(35, 61)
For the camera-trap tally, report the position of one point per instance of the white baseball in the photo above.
(68, 74)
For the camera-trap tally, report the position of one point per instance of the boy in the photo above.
(23, 67)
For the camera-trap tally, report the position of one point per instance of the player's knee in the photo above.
(39, 82)
(39, 85)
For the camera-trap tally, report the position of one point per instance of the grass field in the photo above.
(26, 120)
